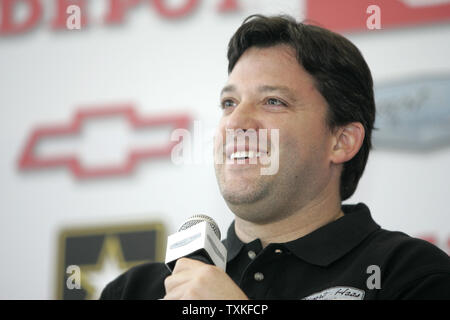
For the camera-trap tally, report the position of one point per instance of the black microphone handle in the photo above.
(200, 255)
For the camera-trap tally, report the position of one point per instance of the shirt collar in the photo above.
(232, 243)
(327, 243)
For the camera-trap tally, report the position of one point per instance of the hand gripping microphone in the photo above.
(197, 238)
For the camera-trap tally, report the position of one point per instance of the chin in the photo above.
(254, 214)
(247, 204)
(242, 191)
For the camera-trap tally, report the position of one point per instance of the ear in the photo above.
(348, 140)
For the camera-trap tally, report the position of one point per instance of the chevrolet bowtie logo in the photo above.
(30, 159)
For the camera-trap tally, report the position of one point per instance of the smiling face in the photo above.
(269, 89)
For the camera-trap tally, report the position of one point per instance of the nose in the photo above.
(243, 117)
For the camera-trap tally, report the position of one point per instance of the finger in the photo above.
(175, 280)
(183, 272)
(186, 264)
(173, 294)
(176, 294)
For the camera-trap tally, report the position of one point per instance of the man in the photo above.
(291, 237)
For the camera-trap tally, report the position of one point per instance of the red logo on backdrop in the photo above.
(115, 13)
(29, 160)
(351, 15)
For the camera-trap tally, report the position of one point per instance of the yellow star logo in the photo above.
(110, 265)
(93, 276)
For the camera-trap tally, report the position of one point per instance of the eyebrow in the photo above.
(228, 88)
(283, 89)
(262, 89)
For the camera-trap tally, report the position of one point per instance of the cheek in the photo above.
(292, 150)
(219, 146)
(303, 144)
(219, 135)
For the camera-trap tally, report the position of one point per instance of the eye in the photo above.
(226, 103)
(275, 102)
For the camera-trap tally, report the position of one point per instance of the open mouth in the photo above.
(242, 155)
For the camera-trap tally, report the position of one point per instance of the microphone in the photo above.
(197, 238)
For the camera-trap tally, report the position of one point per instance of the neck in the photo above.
(310, 217)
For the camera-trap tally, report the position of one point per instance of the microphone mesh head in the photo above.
(197, 218)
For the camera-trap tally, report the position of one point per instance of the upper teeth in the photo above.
(244, 154)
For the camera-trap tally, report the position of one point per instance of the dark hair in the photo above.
(340, 71)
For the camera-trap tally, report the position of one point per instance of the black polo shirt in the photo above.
(350, 258)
